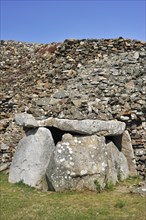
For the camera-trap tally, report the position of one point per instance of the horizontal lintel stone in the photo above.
(87, 126)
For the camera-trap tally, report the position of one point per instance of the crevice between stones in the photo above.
(57, 134)
(117, 140)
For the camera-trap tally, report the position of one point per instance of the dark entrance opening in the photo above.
(57, 134)
(117, 140)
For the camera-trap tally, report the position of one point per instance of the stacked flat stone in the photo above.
(77, 79)
(87, 151)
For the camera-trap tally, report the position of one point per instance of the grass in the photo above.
(97, 185)
(120, 204)
(19, 201)
(109, 186)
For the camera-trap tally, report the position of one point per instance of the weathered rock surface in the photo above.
(100, 79)
(128, 151)
(117, 166)
(4, 166)
(86, 126)
(32, 157)
(78, 162)
(141, 190)
(25, 120)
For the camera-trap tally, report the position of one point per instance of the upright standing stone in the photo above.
(32, 157)
(117, 168)
(127, 150)
(77, 162)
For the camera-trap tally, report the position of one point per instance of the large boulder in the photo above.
(127, 150)
(87, 126)
(32, 157)
(76, 163)
(124, 144)
(117, 168)
(79, 161)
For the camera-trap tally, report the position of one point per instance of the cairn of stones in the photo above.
(76, 80)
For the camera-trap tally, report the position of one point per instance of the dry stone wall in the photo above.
(78, 79)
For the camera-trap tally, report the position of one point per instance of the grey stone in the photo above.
(76, 114)
(117, 168)
(25, 120)
(136, 55)
(4, 166)
(124, 118)
(77, 162)
(4, 146)
(127, 150)
(140, 152)
(32, 157)
(54, 101)
(86, 126)
(91, 69)
(139, 190)
(60, 95)
(43, 101)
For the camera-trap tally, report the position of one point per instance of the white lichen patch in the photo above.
(72, 174)
(94, 167)
(103, 164)
(61, 160)
(59, 151)
(66, 143)
(71, 163)
(70, 151)
(69, 148)
(75, 140)
(83, 172)
(93, 147)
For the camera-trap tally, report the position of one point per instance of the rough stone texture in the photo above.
(78, 162)
(32, 157)
(77, 79)
(4, 166)
(128, 152)
(117, 164)
(139, 190)
(25, 120)
(86, 126)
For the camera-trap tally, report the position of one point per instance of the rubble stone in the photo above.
(97, 79)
